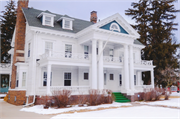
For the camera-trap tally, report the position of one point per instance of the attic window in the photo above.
(66, 22)
(47, 20)
(115, 27)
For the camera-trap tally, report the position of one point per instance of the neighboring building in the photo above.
(4, 75)
(54, 52)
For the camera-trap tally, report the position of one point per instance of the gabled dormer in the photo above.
(46, 18)
(66, 22)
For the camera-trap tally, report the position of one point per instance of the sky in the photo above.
(81, 8)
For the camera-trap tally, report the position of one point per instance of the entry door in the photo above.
(104, 78)
(67, 79)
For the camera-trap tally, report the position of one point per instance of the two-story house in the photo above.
(55, 52)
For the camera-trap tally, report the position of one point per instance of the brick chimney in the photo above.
(93, 17)
(19, 39)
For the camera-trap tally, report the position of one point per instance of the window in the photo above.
(86, 51)
(29, 46)
(97, 51)
(120, 80)
(111, 77)
(24, 79)
(86, 76)
(134, 79)
(104, 78)
(17, 79)
(47, 20)
(111, 52)
(68, 51)
(45, 79)
(115, 27)
(48, 46)
(67, 24)
(67, 79)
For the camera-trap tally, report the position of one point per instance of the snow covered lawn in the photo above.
(40, 110)
(140, 112)
(172, 102)
(175, 94)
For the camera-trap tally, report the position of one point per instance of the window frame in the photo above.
(68, 53)
(29, 49)
(48, 46)
(87, 76)
(111, 77)
(45, 79)
(24, 75)
(68, 79)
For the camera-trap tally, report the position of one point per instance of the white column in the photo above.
(48, 79)
(94, 66)
(131, 67)
(152, 78)
(100, 66)
(126, 69)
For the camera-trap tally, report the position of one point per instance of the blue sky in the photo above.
(81, 8)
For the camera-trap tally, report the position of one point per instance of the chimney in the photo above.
(19, 39)
(93, 17)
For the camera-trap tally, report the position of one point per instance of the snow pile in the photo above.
(172, 102)
(40, 110)
(2, 95)
(1, 100)
(175, 94)
(140, 112)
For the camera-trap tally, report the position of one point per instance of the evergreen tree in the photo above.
(154, 23)
(8, 21)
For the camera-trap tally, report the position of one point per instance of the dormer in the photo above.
(47, 19)
(66, 23)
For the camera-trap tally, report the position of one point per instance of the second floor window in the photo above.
(68, 50)
(48, 46)
(67, 24)
(86, 51)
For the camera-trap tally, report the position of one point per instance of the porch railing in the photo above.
(113, 59)
(66, 55)
(71, 88)
(5, 65)
(144, 62)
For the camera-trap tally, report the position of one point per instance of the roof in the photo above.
(78, 24)
(31, 17)
(137, 42)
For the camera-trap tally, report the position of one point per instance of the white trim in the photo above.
(112, 29)
(17, 89)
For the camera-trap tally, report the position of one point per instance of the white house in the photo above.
(61, 52)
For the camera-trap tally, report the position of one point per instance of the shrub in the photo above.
(152, 94)
(61, 97)
(93, 97)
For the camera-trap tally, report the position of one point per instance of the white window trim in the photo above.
(43, 15)
(24, 79)
(70, 25)
(112, 29)
(66, 79)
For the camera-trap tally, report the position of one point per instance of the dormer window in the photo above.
(66, 23)
(115, 27)
(47, 19)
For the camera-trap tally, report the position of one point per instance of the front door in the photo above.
(67, 79)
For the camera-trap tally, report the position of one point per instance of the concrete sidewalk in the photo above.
(8, 111)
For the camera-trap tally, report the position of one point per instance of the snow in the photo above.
(2, 95)
(175, 94)
(1, 100)
(172, 102)
(137, 112)
(40, 110)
